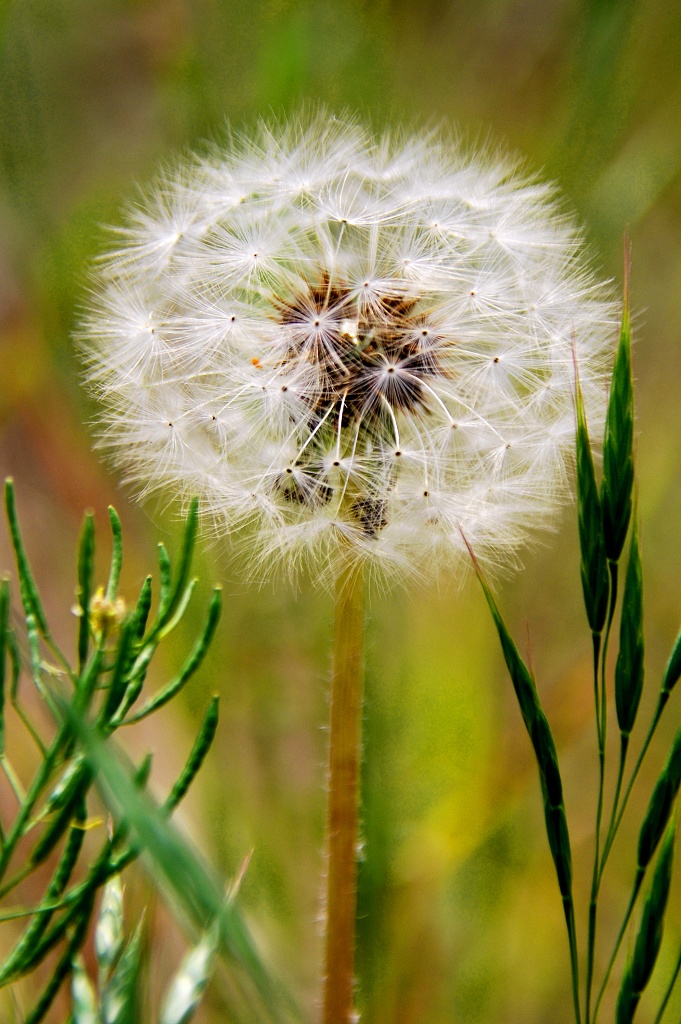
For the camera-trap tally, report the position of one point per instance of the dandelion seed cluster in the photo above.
(350, 347)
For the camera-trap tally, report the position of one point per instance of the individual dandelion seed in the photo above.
(358, 348)
(359, 353)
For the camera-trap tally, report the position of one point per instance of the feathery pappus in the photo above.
(351, 347)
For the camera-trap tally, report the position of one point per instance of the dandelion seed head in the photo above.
(352, 348)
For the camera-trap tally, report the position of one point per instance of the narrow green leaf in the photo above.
(116, 554)
(134, 682)
(4, 651)
(20, 958)
(202, 745)
(58, 824)
(119, 681)
(649, 937)
(594, 564)
(629, 668)
(544, 748)
(618, 445)
(180, 609)
(190, 666)
(175, 589)
(141, 613)
(15, 663)
(165, 577)
(86, 556)
(29, 591)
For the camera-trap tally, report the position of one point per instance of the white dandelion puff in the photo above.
(351, 348)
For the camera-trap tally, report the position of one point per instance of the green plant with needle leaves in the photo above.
(606, 515)
(89, 702)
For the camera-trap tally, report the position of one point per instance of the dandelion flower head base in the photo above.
(351, 348)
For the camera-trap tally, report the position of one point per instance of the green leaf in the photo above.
(86, 555)
(78, 786)
(118, 681)
(618, 446)
(649, 937)
(629, 668)
(141, 613)
(593, 564)
(21, 956)
(202, 745)
(116, 554)
(171, 593)
(29, 592)
(190, 666)
(4, 652)
(544, 748)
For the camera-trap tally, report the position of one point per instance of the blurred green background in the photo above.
(460, 919)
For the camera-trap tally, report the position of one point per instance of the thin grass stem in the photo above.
(343, 800)
(616, 818)
(601, 728)
(670, 989)
(599, 700)
(627, 917)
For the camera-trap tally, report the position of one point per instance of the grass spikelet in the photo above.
(660, 805)
(629, 669)
(649, 936)
(593, 562)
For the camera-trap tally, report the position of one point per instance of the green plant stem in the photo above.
(599, 701)
(616, 817)
(638, 882)
(343, 800)
(670, 988)
(601, 729)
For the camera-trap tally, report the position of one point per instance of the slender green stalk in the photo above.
(343, 801)
(599, 701)
(623, 927)
(618, 814)
(601, 729)
(670, 988)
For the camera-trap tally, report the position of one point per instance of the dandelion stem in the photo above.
(343, 805)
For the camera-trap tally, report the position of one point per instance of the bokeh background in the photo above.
(460, 919)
